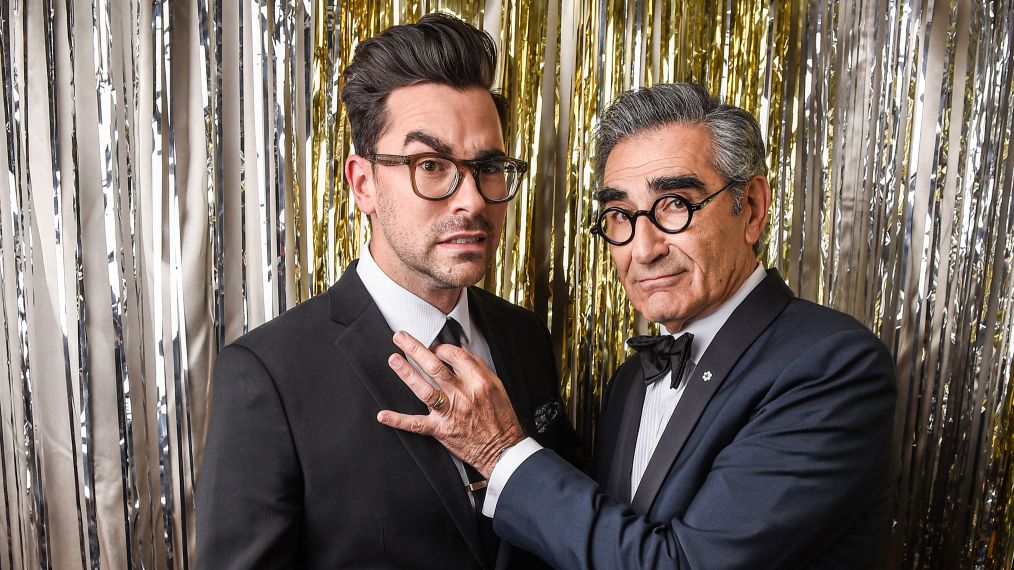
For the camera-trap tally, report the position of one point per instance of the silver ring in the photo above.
(440, 403)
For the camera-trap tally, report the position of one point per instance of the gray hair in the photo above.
(737, 151)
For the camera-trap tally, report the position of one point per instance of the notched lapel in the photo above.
(746, 323)
(365, 345)
(618, 484)
(507, 358)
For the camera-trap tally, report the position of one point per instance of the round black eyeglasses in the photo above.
(670, 213)
(437, 176)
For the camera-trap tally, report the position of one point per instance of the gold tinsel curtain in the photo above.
(170, 177)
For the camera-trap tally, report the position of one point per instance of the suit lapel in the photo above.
(365, 345)
(503, 348)
(618, 485)
(746, 323)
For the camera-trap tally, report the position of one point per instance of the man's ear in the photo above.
(359, 173)
(756, 201)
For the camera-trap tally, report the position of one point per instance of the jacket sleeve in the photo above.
(248, 498)
(816, 446)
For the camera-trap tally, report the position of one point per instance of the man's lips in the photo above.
(464, 239)
(657, 281)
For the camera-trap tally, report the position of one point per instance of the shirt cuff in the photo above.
(504, 468)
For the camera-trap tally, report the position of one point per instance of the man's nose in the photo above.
(467, 197)
(648, 243)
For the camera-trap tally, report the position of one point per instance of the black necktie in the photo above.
(661, 354)
(452, 333)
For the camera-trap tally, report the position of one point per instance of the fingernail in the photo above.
(395, 361)
(399, 336)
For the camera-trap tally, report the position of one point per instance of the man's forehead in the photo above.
(420, 140)
(643, 168)
(647, 167)
(673, 144)
(441, 110)
(658, 174)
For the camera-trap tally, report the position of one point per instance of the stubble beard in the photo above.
(418, 252)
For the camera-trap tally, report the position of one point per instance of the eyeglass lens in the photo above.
(669, 213)
(436, 177)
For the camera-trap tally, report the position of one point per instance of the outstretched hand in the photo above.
(470, 413)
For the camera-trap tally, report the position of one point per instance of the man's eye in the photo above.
(671, 204)
(430, 165)
(491, 168)
(616, 217)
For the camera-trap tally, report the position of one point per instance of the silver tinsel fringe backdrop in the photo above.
(170, 177)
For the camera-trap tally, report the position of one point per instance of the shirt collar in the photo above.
(404, 310)
(705, 328)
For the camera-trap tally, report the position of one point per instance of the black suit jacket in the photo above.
(297, 471)
(778, 455)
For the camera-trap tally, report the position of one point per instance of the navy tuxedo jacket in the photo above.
(778, 455)
(297, 471)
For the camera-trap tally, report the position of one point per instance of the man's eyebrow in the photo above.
(489, 153)
(663, 184)
(608, 194)
(428, 140)
(443, 148)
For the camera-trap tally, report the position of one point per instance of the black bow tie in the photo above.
(660, 354)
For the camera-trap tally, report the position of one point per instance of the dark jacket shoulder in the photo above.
(299, 320)
(803, 324)
(493, 306)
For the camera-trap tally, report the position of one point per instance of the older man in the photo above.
(754, 433)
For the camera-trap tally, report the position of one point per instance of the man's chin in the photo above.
(468, 261)
(463, 273)
(662, 308)
(460, 268)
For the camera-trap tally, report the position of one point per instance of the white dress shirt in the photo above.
(404, 311)
(659, 400)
